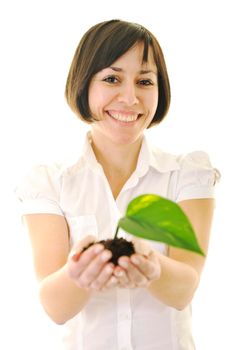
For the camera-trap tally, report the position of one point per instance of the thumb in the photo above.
(142, 246)
(80, 244)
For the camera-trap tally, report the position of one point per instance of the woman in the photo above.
(118, 83)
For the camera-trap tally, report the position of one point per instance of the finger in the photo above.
(78, 266)
(150, 268)
(141, 246)
(103, 277)
(78, 248)
(94, 268)
(111, 283)
(135, 276)
(121, 276)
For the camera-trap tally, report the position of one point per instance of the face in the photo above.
(124, 97)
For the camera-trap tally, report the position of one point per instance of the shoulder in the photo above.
(193, 160)
(45, 180)
(54, 172)
(196, 177)
(198, 164)
(165, 161)
(192, 175)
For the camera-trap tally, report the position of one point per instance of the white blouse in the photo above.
(119, 319)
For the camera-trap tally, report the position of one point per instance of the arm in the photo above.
(173, 279)
(64, 284)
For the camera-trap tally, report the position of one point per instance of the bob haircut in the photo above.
(102, 45)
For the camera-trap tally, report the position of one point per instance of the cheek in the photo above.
(98, 99)
(152, 102)
(92, 98)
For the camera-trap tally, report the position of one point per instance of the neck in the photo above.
(121, 158)
(118, 161)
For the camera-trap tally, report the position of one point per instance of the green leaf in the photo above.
(159, 219)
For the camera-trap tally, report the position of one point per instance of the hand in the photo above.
(140, 269)
(90, 269)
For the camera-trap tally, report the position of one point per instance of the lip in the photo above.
(125, 114)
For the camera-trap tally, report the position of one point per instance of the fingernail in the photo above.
(109, 269)
(106, 255)
(76, 256)
(124, 263)
(135, 260)
(113, 280)
(119, 273)
(98, 248)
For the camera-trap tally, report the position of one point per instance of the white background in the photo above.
(38, 40)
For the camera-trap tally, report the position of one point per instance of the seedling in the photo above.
(155, 218)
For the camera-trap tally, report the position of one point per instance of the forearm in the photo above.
(177, 283)
(61, 298)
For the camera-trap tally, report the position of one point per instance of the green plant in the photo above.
(155, 218)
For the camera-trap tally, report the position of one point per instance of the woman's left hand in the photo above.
(139, 269)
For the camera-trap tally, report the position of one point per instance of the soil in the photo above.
(118, 247)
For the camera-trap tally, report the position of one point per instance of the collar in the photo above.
(88, 153)
(149, 156)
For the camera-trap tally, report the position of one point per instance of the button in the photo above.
(124, 316)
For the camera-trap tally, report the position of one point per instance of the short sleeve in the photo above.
(39, 191)
(196, 177)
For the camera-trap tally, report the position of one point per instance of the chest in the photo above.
(92, 206)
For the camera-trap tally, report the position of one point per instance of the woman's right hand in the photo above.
(90, 269)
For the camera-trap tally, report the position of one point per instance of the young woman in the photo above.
(118, 83)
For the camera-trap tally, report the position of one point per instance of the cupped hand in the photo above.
(139, 269)
(90, 269)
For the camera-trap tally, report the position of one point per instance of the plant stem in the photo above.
(115, 236)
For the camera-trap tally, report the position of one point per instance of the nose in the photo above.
(128, 94)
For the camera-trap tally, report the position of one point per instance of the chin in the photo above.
(126, 140)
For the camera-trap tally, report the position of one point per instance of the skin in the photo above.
(123, 88)
(129, 88)
(126, 88)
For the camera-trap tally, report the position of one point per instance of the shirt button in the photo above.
(124, 317)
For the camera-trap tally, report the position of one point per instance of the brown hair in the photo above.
(100, 46)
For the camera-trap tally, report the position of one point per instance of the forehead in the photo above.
(135, 55)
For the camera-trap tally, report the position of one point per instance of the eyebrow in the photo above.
(142, 71)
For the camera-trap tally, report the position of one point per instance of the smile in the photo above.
(127, 118)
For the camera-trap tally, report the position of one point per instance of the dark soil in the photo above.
(118, 247)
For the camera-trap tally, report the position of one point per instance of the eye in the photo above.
(146, 82)
(112, 79)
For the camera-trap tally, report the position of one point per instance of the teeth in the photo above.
(123, 118)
